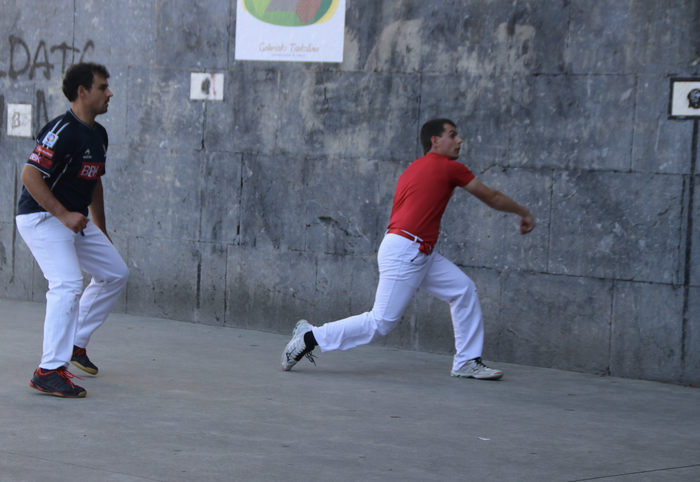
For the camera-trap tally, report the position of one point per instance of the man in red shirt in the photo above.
(407, 261)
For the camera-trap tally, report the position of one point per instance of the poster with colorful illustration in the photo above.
(290, 30)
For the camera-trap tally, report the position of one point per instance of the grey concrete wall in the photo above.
(270, 206)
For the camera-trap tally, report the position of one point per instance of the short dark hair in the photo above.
(434, 127)
(81, 74)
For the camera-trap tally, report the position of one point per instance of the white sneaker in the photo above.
(475, 369)
(302, 326)
(296, 348)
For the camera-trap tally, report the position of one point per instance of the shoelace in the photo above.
(478, 364)
(66, 375)
(308, 354)
(311, 358)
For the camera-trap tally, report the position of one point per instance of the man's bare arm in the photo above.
(33, 180)
(500, 202)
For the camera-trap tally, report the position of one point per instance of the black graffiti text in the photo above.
(22, 62)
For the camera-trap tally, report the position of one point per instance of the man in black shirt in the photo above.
(61, 218)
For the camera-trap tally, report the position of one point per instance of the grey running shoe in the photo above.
(296, 348)
(475, 369)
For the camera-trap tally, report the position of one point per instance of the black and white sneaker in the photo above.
(296, 349)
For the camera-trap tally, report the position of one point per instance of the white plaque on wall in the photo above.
(19, 120)
(206, 86)
(685, 98)
(290, 30)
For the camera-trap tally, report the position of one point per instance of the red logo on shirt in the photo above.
(91, 170)
(42, 156)
(44, 151)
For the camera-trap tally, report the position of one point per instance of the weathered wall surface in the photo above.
(269, 206)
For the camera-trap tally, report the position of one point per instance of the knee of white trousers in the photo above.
(121, 275)
(469, 288)
(117, 275)
(467, 298)
(383, 326)
(347, 333)
(62, 301)
(65, 288)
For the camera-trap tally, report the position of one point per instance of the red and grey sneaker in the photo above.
(81, 360)
(57, 382)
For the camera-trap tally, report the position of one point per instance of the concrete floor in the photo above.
(184, 402)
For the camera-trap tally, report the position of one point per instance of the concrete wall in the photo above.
(270, 206)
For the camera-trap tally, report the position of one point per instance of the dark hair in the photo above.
(434, 127)
(81, 74)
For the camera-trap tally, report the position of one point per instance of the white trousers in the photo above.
(403, 269)
(62, 255)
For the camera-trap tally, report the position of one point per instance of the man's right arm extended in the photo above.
(500, 202)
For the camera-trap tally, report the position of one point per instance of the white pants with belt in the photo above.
(62, 255)
(403, 269)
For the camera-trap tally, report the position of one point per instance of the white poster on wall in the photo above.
(290, 30)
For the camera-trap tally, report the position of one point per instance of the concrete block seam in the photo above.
(551, 203)
(634, 120)
(689, 246)
(534, 272)
(610, 328)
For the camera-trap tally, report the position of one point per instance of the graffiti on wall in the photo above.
(23, 62)
(39, 65)
(42, 116)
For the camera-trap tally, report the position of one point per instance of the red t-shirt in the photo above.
(422, 194)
